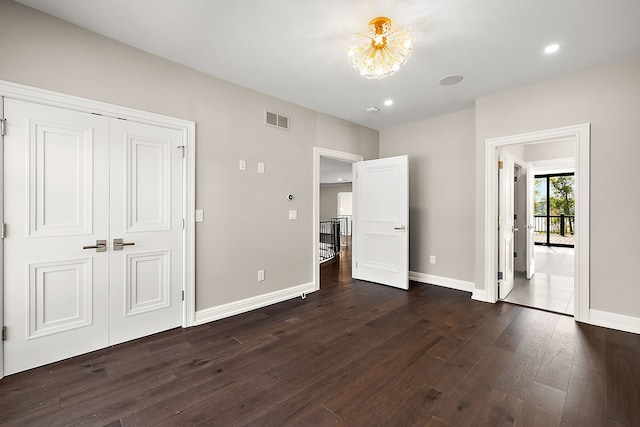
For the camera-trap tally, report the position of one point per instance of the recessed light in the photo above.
(450, 80)
(388, 102)
(552, 48)
(373, 110)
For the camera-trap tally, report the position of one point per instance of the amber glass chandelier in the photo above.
(380, 50)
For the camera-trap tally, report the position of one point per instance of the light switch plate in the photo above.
(260, 167)
(243, 165)
(199, 215)
(293, 214)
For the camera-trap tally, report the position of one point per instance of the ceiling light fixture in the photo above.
(388, 102)
(373, 110)
(381, 49)
(552, 48)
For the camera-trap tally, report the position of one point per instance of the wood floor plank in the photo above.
(585, 399)
(472, 395)
(591, 348)
(556, 364)
(382, 373)
(543, 406)
(520, 373)
(502, 409)
(623, 378)
(463, 329)
(458, 366)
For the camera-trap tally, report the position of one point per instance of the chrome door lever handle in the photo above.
(118, 244)
(100, 246)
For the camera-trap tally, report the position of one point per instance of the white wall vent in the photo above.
(276, 120)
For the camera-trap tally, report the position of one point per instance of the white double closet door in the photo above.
(74, 183)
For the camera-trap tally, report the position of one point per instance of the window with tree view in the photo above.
(554, 209)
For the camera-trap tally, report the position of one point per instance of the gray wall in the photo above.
(246, 224)
(441, 191)
(329, 199)
(607, 97)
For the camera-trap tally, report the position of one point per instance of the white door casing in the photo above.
(381, 221)
(530, 221)
(506, 225)
(488, 291)
(74, 179)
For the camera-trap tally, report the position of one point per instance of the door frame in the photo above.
(319, 152)
(582, 135)
(187, 128)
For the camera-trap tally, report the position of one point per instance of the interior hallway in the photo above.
(551, 287)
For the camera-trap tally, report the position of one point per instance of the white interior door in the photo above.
(506, 225)
(146, 215)
(56, 184)
(531, 225)
(381, 221)
(73, 183)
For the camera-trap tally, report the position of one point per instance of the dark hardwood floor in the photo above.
(354, 353)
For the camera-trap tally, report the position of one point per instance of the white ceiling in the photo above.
(296, 49)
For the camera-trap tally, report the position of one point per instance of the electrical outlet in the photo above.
(432, 259)
(260, 275)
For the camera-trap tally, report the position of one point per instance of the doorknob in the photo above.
(100, 246)
(514, 229)
(118, 244)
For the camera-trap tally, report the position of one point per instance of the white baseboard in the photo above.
(446, 282)
(243, 306)
(614, 321)
(480, 295)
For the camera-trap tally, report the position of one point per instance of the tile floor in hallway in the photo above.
(551, 287)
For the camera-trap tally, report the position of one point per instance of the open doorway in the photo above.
(575, 140)
(336, 211)
(332, 227)
(543, 224)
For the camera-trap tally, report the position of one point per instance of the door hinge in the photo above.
(3, 126)
(182, 295)
(500, 275)
(183, 151)
(3, 231)
(4, 333)
(500, 164)
(515, 179)
(184, 224)
(515, 254)
(356, 264)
